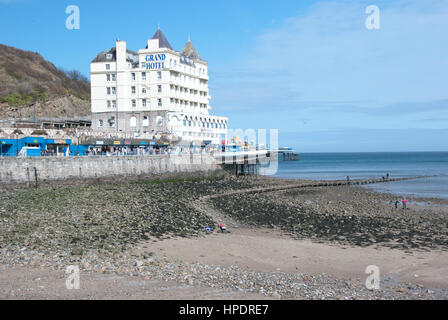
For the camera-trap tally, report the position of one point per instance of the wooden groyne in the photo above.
(311, 184)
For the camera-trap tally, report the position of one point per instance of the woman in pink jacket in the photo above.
(404, 201)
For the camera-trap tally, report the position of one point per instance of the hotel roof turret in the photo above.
(163, 41)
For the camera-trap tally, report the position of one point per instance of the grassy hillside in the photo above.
(27, 78)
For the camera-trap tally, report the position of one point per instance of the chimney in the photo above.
(121, 54)
(153, 44)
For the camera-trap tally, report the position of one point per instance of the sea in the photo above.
(336, 166)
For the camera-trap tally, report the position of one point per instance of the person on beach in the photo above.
(396, 204)
(222, 227)
(387, 176)
(404, 201)
(348, 179)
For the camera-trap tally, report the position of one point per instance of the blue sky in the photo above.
(309, 68)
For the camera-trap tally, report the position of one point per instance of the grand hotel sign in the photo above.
(155, 61)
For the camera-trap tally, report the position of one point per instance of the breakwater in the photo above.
(37, 169)
(311, 184)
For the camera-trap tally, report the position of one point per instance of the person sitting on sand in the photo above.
(223, 228)
(404, 201)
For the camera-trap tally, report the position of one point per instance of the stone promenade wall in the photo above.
(25, 170)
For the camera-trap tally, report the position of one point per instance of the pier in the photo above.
(244, 162)
(288, 154)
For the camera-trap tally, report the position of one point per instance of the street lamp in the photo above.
(77, 138)
(17, 144)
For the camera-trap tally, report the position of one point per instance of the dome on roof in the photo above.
(190, 51)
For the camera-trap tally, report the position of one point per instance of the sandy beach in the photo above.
(294, 243)
(266, 250)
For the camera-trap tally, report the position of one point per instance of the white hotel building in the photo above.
(156, 90)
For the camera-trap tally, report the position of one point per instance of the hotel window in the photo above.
(108, 104)
(114, 77)
(185, 123)
(134, 103)
(133, 121)
(144, 76)
(143, 90)
(160, 102)
(145, 121)
(108, 77)
(144, 102)
(114, 91)
(143, 65)
(133, 90)
(159, 88)
(108, 90)
(159, 75)
(107, 66)
(133, 76)
(100, 123)
(114, 104)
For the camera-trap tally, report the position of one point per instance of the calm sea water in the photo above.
(336, 166)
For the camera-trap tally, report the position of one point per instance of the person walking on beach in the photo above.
(396, 204)
(387, 176)
(404, 201)
(348, 179)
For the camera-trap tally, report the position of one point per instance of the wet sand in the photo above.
(267, 250)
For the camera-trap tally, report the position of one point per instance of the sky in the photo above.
(311, 69)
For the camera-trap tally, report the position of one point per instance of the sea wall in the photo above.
(30, 170)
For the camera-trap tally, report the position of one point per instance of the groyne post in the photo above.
(35, 178)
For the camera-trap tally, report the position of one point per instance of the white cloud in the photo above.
(327, 54)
